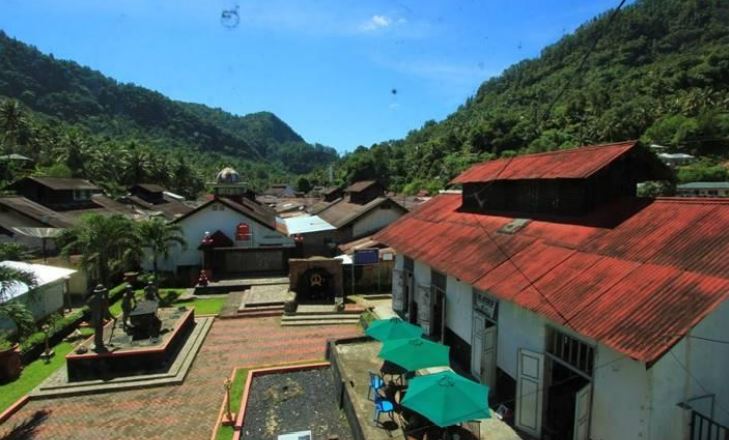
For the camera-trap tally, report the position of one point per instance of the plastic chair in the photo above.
(376, 384)
(383, 405)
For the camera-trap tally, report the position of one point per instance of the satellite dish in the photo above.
(38, 232)
(42, 233)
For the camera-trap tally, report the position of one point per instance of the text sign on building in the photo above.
(366, 256)
(485, 304)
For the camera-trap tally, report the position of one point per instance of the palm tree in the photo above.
(158, 236)
(108, 245)
(16, 311)
(12, 122)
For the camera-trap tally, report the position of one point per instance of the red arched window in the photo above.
(243, 232)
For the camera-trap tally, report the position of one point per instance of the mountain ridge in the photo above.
(76, 94)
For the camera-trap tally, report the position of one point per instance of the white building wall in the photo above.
(421, 274)
(459, 308)
(620, 397)
(210, 220)
(374, 220)
(399, 264)
(44, 301)
(517, 328)
(692, 368)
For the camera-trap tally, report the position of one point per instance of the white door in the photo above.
(582, 413)
(479, 322)
(529, 392)
(488, 359)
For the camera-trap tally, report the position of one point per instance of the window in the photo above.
(81, 194)
(571, 350)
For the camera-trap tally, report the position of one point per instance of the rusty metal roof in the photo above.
(635, 275)
(574, 163)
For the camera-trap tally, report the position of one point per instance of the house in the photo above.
(331, 194)
(362, 211)
(589, 312)
(57, 193)
(18, 215)
(703, 189)
(313, 236)
(156, 200)
(45, 298)
(230, 234)
(280, 190)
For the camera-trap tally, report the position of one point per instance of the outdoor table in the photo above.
(394, 371)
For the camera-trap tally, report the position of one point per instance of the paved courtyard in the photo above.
(187, 411)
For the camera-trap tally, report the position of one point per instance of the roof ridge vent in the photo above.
(514, 225)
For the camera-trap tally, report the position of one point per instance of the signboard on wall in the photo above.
(242, 232)
(366, 256)
(485, 304)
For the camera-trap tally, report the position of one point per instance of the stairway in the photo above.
(322, 315)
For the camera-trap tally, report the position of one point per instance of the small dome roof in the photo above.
(228, 175)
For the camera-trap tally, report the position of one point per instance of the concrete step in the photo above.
(325, 317)
(259, 312)
(323, 312)
(260, 309)
(300, 323)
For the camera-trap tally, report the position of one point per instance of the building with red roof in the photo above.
(590, 312)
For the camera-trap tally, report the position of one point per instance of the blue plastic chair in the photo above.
(383, 405)
(376, 383)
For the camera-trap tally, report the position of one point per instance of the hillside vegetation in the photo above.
(659, 73)
(68, 116)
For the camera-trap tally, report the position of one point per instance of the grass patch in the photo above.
(35, 373)
(203, 306)
(206, 306)
(236, 393)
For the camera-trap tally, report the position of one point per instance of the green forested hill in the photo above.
(59, 98)
(659, 72)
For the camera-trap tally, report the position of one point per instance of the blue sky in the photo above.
(341, 73)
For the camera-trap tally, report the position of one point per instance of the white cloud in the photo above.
(379, 22)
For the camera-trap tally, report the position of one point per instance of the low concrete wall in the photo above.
(342, 391)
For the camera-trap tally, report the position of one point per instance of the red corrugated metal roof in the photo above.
(635, 275)
(574, 163)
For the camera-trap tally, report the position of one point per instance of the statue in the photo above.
(151, 293)
(129, 303)
(99, 305)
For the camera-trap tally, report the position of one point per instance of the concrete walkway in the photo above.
(187, 411)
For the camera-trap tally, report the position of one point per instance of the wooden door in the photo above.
(488, 358)
(530, 392)
(478, 326)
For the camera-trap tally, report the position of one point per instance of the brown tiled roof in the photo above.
(64, 183)
(341, 213)
(258, 212)
(150, 187)
(360, 186)
(34, 211)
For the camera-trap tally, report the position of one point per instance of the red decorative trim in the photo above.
(15, 407)
(136, 351)
(240, 420)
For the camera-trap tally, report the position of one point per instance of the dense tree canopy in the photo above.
(659, 73)
(84, 119)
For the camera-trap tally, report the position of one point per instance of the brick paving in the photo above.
(187, 411)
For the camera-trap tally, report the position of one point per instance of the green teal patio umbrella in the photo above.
(447, 399)
(392, 328)
(414, 353)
